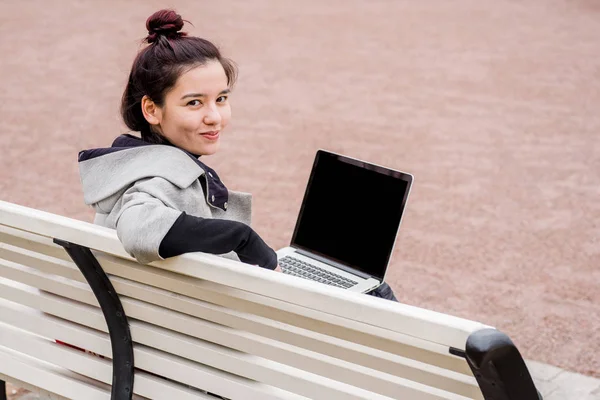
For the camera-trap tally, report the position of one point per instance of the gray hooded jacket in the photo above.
(151, 193)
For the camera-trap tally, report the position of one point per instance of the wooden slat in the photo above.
(413, 321)
(31, 241)
(48, 352)
(146, 358)
(145, 384)
(40, 323)
(277, 374)
(50, 381)
(361, 334)
(39, 373)
(403, 367)
(288, 313)
(396, 343)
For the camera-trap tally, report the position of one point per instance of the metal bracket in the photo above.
(116, 320)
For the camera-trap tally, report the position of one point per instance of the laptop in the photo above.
(348, 223)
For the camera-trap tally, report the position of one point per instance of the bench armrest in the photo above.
(498, 367)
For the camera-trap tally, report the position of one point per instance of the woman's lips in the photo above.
(212, 135)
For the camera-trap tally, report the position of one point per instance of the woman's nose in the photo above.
(212, 116)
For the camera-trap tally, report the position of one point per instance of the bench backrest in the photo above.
(205, 322)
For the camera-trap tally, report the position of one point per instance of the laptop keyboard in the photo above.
(293, 266)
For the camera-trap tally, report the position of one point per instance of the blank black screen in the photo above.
(351, 212)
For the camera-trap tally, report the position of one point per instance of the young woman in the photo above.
(154, 190)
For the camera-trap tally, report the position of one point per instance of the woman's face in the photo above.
(195, 111)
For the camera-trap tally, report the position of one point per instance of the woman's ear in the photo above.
(151, 111)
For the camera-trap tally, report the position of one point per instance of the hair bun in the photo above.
(164, 23)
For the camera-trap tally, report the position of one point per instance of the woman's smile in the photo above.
(211, 135)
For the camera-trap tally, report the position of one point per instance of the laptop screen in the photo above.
(351, 212)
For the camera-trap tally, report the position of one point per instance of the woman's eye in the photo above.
(194, 103)
(221, 99)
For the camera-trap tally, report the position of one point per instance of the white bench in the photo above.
(200, 321)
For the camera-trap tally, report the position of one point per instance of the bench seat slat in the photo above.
(59, 306)
(31, 241)
(147, 385)
(258, 304)
(432, 326)
(256, 320)
(156, 361)
(288, 313)
(40, 323)
(406, 368)
(48, 380)
(149, 359)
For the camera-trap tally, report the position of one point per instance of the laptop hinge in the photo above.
(343, 267)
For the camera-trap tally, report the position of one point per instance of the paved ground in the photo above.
(557, 384)
(493, 106)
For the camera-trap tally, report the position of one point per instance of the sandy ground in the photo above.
(493, 106)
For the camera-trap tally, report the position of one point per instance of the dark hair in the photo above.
(157, 67)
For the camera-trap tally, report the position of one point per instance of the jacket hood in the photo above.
(107, 171)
